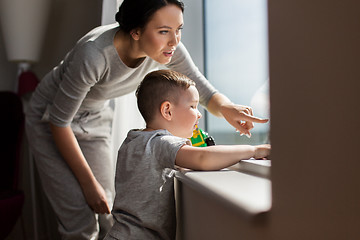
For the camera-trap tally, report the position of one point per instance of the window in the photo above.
(236, 62)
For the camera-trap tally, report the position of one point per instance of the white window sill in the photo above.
(244, 186)
(254, 167)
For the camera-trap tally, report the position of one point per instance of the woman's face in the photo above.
(162, 34)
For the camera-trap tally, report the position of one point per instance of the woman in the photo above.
(69, 121)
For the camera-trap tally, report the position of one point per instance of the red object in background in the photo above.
(27, 83)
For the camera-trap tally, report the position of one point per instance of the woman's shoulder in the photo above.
(97, 39)
(93, 46)
(99, 32)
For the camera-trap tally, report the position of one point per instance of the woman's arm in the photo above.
(70, 150)
(218, 156)
(239, 116)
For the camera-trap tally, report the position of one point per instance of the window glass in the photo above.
(236, 62)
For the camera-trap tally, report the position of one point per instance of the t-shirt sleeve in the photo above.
(168, 147)
(81, 70)
(183, 63)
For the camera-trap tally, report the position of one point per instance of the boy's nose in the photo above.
(199, 114)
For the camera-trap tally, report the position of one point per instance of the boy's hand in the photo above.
(262, 151)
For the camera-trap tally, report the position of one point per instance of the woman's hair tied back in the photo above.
(134, 14)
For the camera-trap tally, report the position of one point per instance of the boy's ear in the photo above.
(165, 110)
(135, 33)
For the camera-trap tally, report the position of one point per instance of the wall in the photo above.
(314, 90)
(68, 21)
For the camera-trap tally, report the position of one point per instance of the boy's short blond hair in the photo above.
(158, 87)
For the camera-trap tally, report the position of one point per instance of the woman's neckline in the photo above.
(128, 63)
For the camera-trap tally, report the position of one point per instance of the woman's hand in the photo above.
(239, 116)
(68, 146)
(96, 197)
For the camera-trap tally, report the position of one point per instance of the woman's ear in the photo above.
(135, 34)
(165, 110)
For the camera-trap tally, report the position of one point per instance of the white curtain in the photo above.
(126, 114)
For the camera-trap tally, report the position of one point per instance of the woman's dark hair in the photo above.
(136, 13)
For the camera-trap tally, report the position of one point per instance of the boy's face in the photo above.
(185, 113)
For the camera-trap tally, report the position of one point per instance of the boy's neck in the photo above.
(149, 129)
(158, 124)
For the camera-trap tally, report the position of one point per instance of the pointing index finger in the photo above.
(255, 119)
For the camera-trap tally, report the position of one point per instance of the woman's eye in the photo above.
(164, 32)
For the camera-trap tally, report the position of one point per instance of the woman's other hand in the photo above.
(69, 147)
(96, 197)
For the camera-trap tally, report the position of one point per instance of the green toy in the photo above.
(201, 138)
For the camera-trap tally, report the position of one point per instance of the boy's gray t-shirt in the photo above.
(144, 206)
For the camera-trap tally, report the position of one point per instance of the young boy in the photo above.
(144, 206)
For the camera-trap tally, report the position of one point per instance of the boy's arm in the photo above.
(218, 156)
